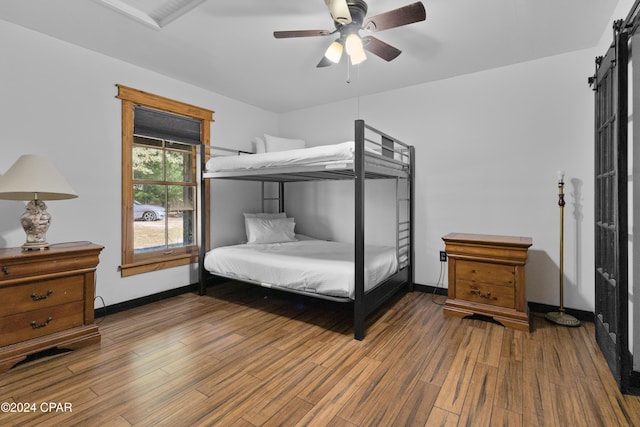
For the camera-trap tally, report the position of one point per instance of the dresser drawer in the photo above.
(25, 326)
(484, 293)
(17, 269)
(483, 272)
(40, 294)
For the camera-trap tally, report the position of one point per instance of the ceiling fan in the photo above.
(349, 19)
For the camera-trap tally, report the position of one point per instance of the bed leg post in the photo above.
(358, 329)
(359, 312)
(202, 288)
(203, 242)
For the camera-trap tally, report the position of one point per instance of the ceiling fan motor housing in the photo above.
(358, 10)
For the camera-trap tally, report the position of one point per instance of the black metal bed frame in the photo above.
(385, 167)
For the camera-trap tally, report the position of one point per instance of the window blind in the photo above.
(163, 125)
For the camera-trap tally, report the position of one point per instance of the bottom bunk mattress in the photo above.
(308, 265)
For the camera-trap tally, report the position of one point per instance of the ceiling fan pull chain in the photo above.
(348, 71)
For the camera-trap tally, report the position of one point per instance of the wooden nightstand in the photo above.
(46, 300)
(486, 276)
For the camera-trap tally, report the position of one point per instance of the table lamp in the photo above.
(34, 178)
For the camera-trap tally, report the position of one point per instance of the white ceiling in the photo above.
(228, 46)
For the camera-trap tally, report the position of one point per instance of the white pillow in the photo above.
(275, 143)
(261, 215)
(258, 145)
(265, 215)
(276, 230)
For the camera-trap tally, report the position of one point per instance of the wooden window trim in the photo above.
(142, 264)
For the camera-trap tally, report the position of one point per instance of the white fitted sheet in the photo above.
(308, 265)
(322, 154)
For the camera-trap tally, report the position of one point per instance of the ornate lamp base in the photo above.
(35, 222)
(562, 318)
(35, 246)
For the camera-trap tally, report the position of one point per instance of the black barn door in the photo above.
(611, 225)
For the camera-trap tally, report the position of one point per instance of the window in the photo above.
(160, 140)
(164, 195)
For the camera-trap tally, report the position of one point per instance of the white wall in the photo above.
(59, 100)
(488, 148)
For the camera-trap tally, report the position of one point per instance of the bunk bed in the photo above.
(372, 155)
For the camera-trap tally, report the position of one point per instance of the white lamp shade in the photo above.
(33, 176)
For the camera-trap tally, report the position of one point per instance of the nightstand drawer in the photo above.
(483, 272)
(25, 326)
(40, 294)
(501, 296)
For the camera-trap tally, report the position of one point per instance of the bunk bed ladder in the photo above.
(279, 198)
(403, 224)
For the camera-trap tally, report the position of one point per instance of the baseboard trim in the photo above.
(582, 315)
(430, 289)
(139, 302)
(634, 383)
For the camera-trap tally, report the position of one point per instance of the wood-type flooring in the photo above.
(248, 356)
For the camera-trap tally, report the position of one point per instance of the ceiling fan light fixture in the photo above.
(355, 49)
(334, 52)
(358, 58)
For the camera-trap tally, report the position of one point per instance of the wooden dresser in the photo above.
(486, 277)
(46, 299)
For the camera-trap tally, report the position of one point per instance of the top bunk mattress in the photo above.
(309, 265)
(323, 157)
(319, 155)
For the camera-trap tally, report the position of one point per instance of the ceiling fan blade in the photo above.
(300, 33)
(380, 48)
(324, 62)
(339, 11)
(396, 18)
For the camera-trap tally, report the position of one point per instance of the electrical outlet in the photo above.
(443, 256)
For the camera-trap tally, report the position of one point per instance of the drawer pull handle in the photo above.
(5, 270)
(36, 297)
(36, 325)
(476, 291)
